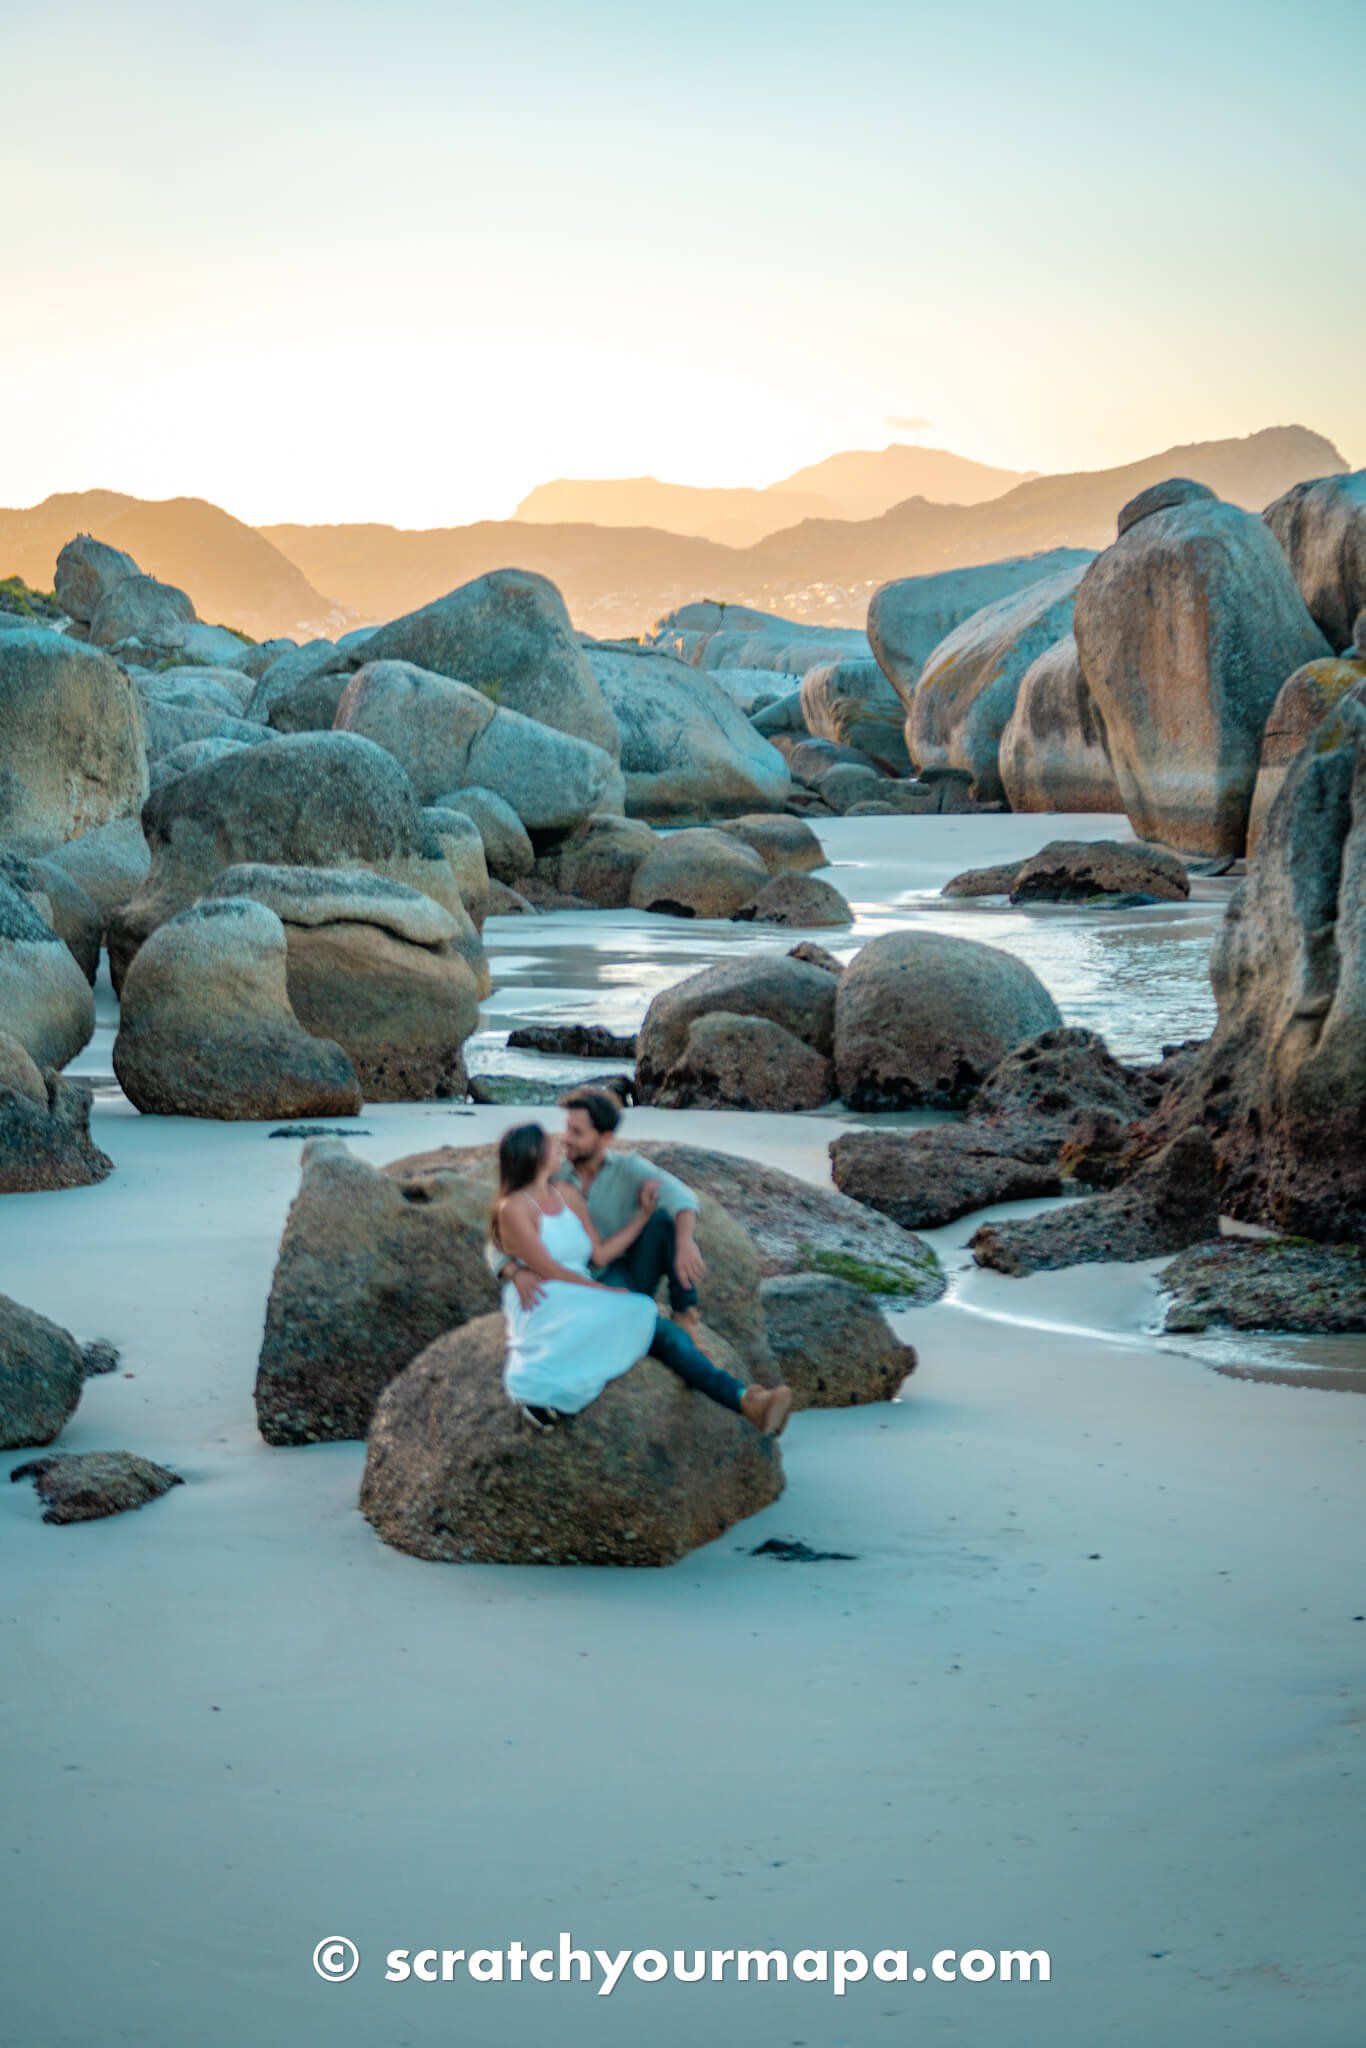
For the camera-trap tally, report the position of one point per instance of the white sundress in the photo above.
(562, 1353)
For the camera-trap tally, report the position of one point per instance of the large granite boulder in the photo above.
(508, 853)
(598, 863)
(803, 901)
(781, 717)
(1053, 755)
(687, 749)
(853, 703)
(968, 687)
(830, 1342)
(110, 862)
(1281, 1085)
(62, 903)
(301, 689)
(785, 845)
(45, 1137)
(909, 617)
(42, 1372)
(644, 1474)
(698, 873)
(462, 843)
(796, 1227)
(46, 1002)
(70, 738)
(173, 717)
(372, 1266)
(1187, 627)
(712, 634)
(222, 684)
(140, 608)
(1169, 1203)
(377, 968)
(193, 754)
(1322, 527)
(509, 636)
(739, 1062)
(1302, 704)
(446, 733)
(922, 1018)
(87, 570)
(206, 1028)
(793, 994)
(304, 800)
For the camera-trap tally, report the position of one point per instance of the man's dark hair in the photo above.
(602, 1110)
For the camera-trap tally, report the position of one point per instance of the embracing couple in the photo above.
(581, 1243)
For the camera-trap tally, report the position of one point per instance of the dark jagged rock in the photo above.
(1170, 1202)
(578, 1041)
(1079, 870)
(1049, 1092)
(922, 1179)
(1281, 1084)
(83, 1486)
(1268, 1284)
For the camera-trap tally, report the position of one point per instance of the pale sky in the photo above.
(347, 260)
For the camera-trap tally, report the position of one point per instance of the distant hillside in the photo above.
(234, 574)
(1074, 511)
(604, 572)
(855, 485)
(618, 579)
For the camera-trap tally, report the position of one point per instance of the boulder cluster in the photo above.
(1171, 677)
(917, 1019)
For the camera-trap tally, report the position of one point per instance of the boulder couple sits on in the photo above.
(581, 1244)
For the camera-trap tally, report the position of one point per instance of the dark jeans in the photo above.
(649, 1260)
(640, 1269)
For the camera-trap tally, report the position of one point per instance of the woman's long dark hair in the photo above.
(520, 1151)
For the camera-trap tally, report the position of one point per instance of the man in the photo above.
(610, 1182)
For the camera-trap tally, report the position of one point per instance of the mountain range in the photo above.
(616, 579)
(858, 484)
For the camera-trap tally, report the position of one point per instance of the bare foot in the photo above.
(767, 1408)
(689, 1319)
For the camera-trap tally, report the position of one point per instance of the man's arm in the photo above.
(680, 1204)
(676, 1199)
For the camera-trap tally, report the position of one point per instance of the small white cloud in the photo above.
(902, 424)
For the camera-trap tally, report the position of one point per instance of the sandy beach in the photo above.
(1088, 1679)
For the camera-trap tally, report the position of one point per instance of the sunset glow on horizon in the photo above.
(333, 263)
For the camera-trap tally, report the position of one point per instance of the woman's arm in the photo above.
(522, 1240)
(605, 1249)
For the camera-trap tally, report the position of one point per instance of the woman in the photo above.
(581, 1334)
